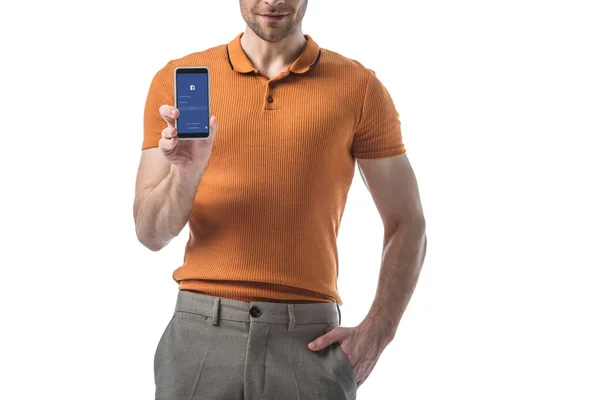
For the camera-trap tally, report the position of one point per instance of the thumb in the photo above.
(325, 340)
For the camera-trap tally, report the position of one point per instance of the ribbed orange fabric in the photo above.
(265, 219)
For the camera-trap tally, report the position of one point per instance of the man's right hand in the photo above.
(185, 154)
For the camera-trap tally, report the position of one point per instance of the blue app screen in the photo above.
(192, 101)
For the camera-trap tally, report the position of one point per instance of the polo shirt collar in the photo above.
(240, 62)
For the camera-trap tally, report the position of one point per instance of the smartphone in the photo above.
(192, 98)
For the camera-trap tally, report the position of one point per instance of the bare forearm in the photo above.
(403, 256)
(166, 209)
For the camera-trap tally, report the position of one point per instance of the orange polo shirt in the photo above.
(266, 215)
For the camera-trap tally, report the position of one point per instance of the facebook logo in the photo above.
(192, 87)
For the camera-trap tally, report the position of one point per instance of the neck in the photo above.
(268, 56)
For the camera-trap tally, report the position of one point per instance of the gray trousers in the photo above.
(215, 348)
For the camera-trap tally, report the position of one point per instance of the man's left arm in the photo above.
(377, 145)
(393, 187)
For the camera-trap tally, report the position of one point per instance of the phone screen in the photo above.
(192, 100)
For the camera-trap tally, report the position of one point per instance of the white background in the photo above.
(499, 103)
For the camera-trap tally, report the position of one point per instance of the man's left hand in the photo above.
(362, 345)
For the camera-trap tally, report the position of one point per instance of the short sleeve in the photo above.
(161, 92)
(377, 133)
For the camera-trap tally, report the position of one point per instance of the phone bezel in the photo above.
(192, 69)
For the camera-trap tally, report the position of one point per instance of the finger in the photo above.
(168, 140)
(169, 114)
(167, 145)
(214, 125)
(323, 341)
(169, 132)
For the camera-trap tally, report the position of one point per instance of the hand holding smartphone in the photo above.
(188, 138)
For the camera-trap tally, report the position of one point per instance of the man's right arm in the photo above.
(164, 199)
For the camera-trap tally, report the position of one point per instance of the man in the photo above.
(264, 198)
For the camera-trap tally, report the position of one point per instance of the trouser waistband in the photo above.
(292, 314)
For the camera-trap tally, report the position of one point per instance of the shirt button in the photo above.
(270, 99)
(271, 85)
(255, 311)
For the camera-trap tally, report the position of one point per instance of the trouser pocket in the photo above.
(158, 352)
(343, 359)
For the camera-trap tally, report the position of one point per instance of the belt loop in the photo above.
(339, 314)
(215, 317)
(292, 323)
